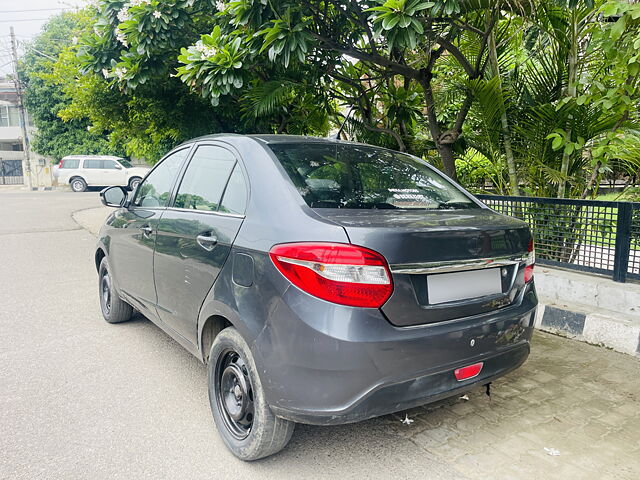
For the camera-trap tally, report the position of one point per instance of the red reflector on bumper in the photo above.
(467, 372)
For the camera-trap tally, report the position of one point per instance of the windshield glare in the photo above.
(356, 176)
(124, 163)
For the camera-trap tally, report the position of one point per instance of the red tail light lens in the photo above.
(468, 372)
(60, 163)
(531, 261)
(336, 272)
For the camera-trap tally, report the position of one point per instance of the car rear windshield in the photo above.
(357, 176)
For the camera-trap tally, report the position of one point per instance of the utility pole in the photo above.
(26, 161)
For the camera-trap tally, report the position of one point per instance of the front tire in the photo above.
(134, 182)
(114, 309)
(78, 184)
(244, 420)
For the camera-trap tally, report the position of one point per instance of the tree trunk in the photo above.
(571, 91)
(592, 181)
(448, 160)
(506, 132)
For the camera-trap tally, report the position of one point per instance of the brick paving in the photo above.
(580, 400)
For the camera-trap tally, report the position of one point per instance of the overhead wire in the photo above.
(34, 10)
(25, 20)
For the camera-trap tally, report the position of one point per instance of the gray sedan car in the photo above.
(321, 281)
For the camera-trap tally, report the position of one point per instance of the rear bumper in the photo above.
(407, 394)
(327, 364)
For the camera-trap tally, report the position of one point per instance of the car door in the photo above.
(132, 242)
(195, 235)
(112, 173)
(91, 171)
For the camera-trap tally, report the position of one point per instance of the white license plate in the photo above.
(449, 287)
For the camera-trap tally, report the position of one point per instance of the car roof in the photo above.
(91, 157)
(268, 139)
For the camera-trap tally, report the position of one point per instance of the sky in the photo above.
(27, 18)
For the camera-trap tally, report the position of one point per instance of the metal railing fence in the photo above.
(588, 235)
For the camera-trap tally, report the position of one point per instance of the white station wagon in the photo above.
(82, 171)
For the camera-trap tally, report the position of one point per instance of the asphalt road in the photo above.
(80, 398)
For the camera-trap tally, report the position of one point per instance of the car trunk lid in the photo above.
(446, 264)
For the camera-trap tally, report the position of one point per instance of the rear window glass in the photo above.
(70, 163)
(93, 164)
(356, 176)
(235, 195)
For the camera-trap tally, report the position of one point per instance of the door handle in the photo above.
(207, 241)
(146, 231)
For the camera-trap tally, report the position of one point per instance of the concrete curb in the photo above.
(24, 188)
(91, 219)
(590, 308)
(601, 328)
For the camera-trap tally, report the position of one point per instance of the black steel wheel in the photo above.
(243, 418)
(234, 394)
(114, 309)
(105, 293)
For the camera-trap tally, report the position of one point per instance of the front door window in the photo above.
(156, 188)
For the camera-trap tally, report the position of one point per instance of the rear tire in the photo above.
(244, 420)
(114, 309)
(134, 182)
(78, 184)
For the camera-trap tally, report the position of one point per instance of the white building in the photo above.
(12, 157)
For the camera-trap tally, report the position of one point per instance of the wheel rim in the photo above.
(234, 394)
(105, 293)
(77, 185)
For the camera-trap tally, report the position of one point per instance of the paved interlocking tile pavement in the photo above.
(579, 401)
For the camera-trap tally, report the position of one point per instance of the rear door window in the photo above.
(235, 195)
(93, 163)
(363, 177)
(205, 179)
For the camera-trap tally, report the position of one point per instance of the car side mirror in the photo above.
(113, 197)
(118, 167)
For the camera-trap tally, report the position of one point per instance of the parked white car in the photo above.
(82, 171)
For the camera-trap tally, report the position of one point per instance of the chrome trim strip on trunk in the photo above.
(456, 265)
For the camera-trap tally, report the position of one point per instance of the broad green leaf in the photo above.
(569, 148)
(618, 28)
(391, 21)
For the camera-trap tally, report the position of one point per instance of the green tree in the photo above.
(568, 92)
(44, 99)
(128, 86)
(412, 42)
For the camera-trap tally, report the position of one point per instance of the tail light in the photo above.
(336, 272)
(470, 371)
(60, 163)
(531, 261)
